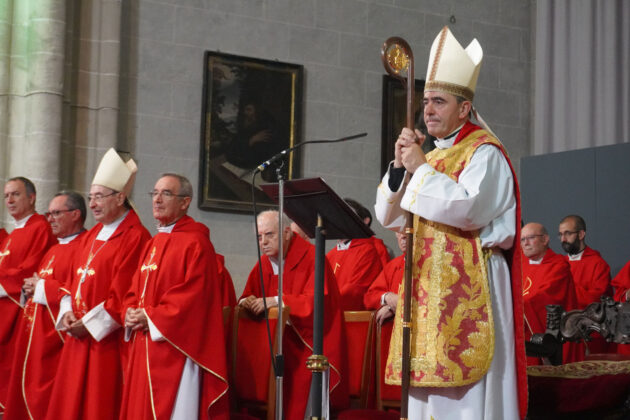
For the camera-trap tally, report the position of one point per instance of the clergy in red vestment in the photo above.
(298, 282)
(88, 384)
(20, 255)
(621, 283)
(174, 320)
(383, 293)
(38, 343)
(546, 281)
(591, 274)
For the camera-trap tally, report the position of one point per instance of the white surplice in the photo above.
(483, 198)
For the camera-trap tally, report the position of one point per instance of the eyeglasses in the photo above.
(529, 238)
(98, 197)
(56, 213)
(567, 233)
(166, 194)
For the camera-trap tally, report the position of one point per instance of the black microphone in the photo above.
(284, 152)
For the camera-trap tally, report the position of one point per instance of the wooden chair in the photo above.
(360, 330)
(251, 375)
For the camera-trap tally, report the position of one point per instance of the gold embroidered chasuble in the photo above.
(452, 331)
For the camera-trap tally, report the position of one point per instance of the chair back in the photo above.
(360, 340)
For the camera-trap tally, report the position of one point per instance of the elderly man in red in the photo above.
(88, 384)
(20, 254)
(546, 281)
(173, 318)
(298, 281)
(383, 293)
(38, 343)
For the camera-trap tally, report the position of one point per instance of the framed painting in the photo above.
(395, 119)
(251, 110)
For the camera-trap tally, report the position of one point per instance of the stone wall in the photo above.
(338, 42)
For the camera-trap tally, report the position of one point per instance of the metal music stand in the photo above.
(322, 215)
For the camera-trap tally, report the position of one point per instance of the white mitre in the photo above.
(453, 69)
(116, 174)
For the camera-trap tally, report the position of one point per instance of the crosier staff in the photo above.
(398, 59)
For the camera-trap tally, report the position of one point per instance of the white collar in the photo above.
(576, 257)
(343, 246)
(108, 230)
(448, 141)
(68, 239)
(166, 229)
(536, 262)
(19, 224)
(274, 265)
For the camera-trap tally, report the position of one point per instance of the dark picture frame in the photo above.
(394, 117)
(251, 110)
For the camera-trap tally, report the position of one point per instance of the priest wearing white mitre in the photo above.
(467, 347)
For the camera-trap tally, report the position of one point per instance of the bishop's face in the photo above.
(443, 114)
(168, 205)
(106, 204)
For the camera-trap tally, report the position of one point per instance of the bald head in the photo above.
(534, 241)
(267, 222)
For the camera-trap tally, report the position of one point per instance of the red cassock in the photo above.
(621, 283)
(20, 255)
(381, 249)
(591, 275)
(355, 269)
(39, 344)
(299, 281)
(548, 283)
(227, 285)
(178, 286)
(388, 281)
(88, 384)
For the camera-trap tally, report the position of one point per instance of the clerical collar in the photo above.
(69, 238)
(343, 245)
(536, 262)
(448, 141)
(108, 230)
(166, 229)
(576, 257)
(274, 265)
(19, 224)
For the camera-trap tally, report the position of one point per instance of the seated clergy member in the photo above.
(173, 318)
(20, 255)
(88, 384)
(366, 216)
(298, 283)
(383, 293)
(356, 263)
(38, 345)
(546, 281)
(591, 274)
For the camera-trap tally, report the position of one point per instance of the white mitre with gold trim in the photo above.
(453, 69)
(114, 173)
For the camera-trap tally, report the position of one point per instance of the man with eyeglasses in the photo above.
(38, 345)
(88, 384)
(546, 281)
(173, 317)
(20, 254)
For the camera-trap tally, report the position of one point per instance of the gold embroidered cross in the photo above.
(151, 266)
(47, 271)
(85, 272)
(6, 251)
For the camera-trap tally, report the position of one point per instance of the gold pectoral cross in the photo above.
(6, 251)
(84, 272)
(148, 267)
(47, 271)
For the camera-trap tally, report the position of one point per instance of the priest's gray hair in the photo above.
(286, 222)
(185, 187)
